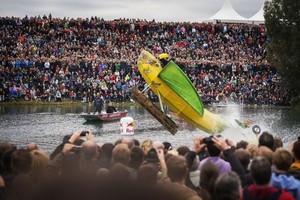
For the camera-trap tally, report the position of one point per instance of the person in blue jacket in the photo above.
(282, 160)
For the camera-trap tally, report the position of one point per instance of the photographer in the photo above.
(214, 151)
(192, 157)
(227, 147)
(74, 146)
(156, 158)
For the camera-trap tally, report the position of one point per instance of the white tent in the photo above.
(258, 18)
(228, 14)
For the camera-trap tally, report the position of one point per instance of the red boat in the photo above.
(104, 116)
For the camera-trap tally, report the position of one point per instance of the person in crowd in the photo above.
(99, 168)
(119, 173)
(128, 141)
(214, 156)
(266, 139)
(252, 149)
(2, 188)
(121, 154)
(245, 77)
(21, 161)
(295, 166)
(152, 158)
(2, 97)
(242, 144)
(177, 170)
(32, 146)
(167, 146)
(193, 177)
(158, 145)
(71, 151)
(40, 162)
(277, 143)
(147, 175)
(6, 169)
(89, 153)
(228, 187)
(266, 152)
(194, 173)
(208, 176)
(146, 145)
(136, 157)
(282, 160)
(244, 157)
(20, 164)
(58, 96)
(261, 173)
(4, 147)
(107, 149)
(183, 150)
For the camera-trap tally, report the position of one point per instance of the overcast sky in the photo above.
(160, 10)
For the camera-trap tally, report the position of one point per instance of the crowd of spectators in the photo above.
(212, 168)
(45, 57)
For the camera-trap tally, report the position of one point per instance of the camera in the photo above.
(207, 140)
(83, 133)
(76, 149)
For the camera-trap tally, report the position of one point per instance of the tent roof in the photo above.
(259, 16)
(228, 14)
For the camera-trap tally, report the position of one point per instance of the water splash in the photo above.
(234, 131)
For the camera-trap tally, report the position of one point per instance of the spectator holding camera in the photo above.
(192, 157)
(227, 147)
(74, 147)
(214, 152)
(89, 161)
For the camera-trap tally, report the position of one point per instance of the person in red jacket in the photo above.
(260, 170)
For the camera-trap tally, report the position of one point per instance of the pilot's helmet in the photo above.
(163, 56)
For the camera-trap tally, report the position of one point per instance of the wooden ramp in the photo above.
(166, 121)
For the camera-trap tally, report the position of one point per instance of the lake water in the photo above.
(46, 125)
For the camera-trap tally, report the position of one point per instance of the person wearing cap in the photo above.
(164, 59)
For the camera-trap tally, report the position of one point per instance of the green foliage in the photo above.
(282, 20)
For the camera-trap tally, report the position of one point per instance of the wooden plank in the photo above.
(160, 116)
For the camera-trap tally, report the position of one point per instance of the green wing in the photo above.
(241, 124)
(178, 81)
